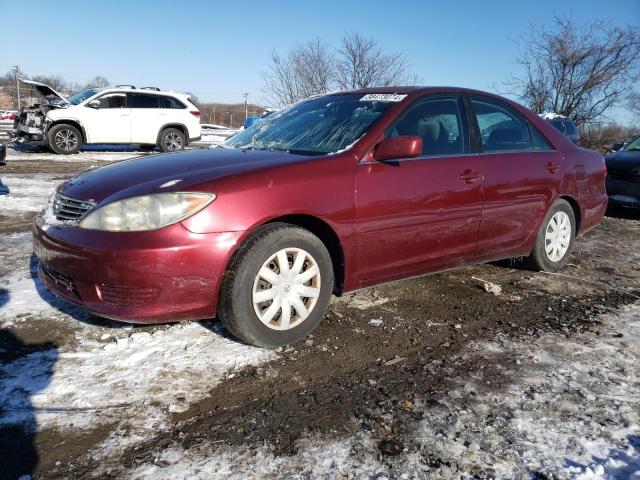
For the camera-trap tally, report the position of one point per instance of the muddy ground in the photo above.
(388, 375)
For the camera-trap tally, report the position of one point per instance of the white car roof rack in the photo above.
(132, 87)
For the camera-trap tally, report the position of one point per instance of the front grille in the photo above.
(65, 208)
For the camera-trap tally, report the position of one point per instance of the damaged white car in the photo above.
(119, 115)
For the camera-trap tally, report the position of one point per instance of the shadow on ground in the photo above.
(25, 370)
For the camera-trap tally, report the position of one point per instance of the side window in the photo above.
(143, 100)
(438, 122)
(113, 100)
(538, 141)
(170, 102)
(501, 128)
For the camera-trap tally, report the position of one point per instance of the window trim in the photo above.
(429, 98)
(105, 94)
(514, 111)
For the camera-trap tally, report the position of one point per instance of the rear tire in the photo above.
(172, 140)
(64, 139)
(277, 287)
(555, 239)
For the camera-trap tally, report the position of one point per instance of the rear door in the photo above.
(420, 214)
(111, 122)
(522, 175)
(145, 117)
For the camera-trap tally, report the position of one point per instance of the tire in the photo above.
(544, 256)
(239, 308)
(172, 140)
(64, 139)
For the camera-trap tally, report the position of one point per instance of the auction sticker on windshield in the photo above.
(383, 97)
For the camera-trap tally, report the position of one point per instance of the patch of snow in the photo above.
(92, 383)
(27, 193)
(567, 408)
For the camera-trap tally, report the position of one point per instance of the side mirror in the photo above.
(404, 146)
(617, 146)
(94, 104)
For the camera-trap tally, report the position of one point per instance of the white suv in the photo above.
(124, 114)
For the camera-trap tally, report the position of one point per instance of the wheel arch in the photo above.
(575, 206)
(73, 123)
(320, 229)
(180, 126)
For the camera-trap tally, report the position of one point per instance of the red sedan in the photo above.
(330, 195)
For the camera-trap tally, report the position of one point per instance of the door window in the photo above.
(113, 100)
(438, 122)
(501, 128)
(143, 100)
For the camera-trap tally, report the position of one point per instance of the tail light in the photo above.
(195, 113)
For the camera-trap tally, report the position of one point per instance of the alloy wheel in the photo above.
(173, 141)
(286, 289)
(66, 140)
(557, 236)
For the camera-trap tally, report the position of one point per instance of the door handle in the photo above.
(469, 176)
(552, 167)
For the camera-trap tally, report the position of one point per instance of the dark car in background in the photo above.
(564, 126)
(623, 174)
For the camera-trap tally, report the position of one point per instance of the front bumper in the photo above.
(624, 193)
(138, 277)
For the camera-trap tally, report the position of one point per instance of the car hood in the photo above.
(170, 172)
(623, 159)
(47, 92)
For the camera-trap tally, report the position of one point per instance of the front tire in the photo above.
(555, 239)
(64, 139)
(172, 140)
(277, 287)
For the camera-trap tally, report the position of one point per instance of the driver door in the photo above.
(416, 215)
(110, 122)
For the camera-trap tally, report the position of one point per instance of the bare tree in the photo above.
(306, 70)
(579, 72)
(97, 82)
(55, 81)
(362, 63)
(634, 104)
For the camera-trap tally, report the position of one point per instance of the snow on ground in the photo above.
(27, 193)
(568, 408)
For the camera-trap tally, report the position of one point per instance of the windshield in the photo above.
(313, 127)
(80, 97)
(633, 145)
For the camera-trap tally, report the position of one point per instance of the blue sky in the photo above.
(218, 50)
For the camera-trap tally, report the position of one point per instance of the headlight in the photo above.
(148, 212)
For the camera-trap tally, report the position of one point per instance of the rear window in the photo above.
(570, 128)
(171, 102)
(143, 100)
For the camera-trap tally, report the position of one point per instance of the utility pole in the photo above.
(214, 113)
(17, 68)
(246, 106)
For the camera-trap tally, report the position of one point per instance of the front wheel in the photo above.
(278, 286)
(64, 139)
(555, 239)
(172, 140)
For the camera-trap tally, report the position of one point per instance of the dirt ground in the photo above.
(426, 378)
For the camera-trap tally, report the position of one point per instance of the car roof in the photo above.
(141, 90)
(415, 90)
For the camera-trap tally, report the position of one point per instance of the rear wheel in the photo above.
(172, 140)
(64, 139)
(277, 287)
(555, 238)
